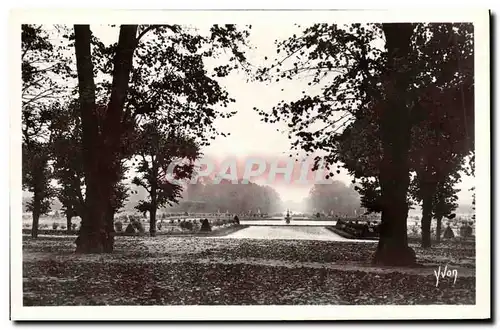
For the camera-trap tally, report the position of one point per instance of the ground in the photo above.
(242, 270)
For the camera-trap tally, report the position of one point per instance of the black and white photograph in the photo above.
(250, 165)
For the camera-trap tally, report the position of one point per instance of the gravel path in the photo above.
(281, 222)
(291, 232)
(188, 270)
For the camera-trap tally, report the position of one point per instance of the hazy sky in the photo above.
(248, 135)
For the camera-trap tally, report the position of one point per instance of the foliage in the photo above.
(118, 226)
(37, 175)
(68, 163)
(41, 64)
(370, 195)
(342, 62)
(157, 150)
(137, 224)
(68, 160)
(234, 198)
(155, 69)
(171, 80)
(437, 70)
(334, 197)
(414, 97)
(120, 192)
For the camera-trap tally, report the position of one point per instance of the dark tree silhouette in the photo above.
(394, 122)
(157, 149)
(234, 198)
(445, 202)
(362, 74)
(442, 130)
(335, 198)
(101, 145)
(67, 154)
(108, 111)
(41, 63)
(36, 179)
(382, 94)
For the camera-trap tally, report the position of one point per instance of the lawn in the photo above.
(223, 271)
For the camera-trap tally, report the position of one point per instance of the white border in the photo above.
(480, 18)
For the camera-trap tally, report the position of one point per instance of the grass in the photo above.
(216, 231)
(168, 270)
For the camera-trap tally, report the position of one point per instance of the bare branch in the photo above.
(332, 123)
(47, 93)
(152, 27)
(146, 30)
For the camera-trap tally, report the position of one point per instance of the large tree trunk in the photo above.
(438, 228)
(395, 136)
(101, 145)
(110, 229)
(68, 223)
(34, 227)
(152, 221)
(36, 214)
(426, 220)
(154, 200)
(92, 233)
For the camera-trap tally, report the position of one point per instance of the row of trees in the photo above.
(334, 198)
(141, 103)
(205, 196)
(398, 117)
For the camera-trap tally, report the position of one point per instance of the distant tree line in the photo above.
(228, 197)
(335, 198)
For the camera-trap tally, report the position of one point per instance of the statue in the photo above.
(448, 233)
(288, 217)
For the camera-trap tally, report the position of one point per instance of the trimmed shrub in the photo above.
(118, 226)
(138, 226)
(130, 229)
(55, 225)
(448, 233)
(205, 226)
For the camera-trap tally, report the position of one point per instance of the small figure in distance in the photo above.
(287, 218)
